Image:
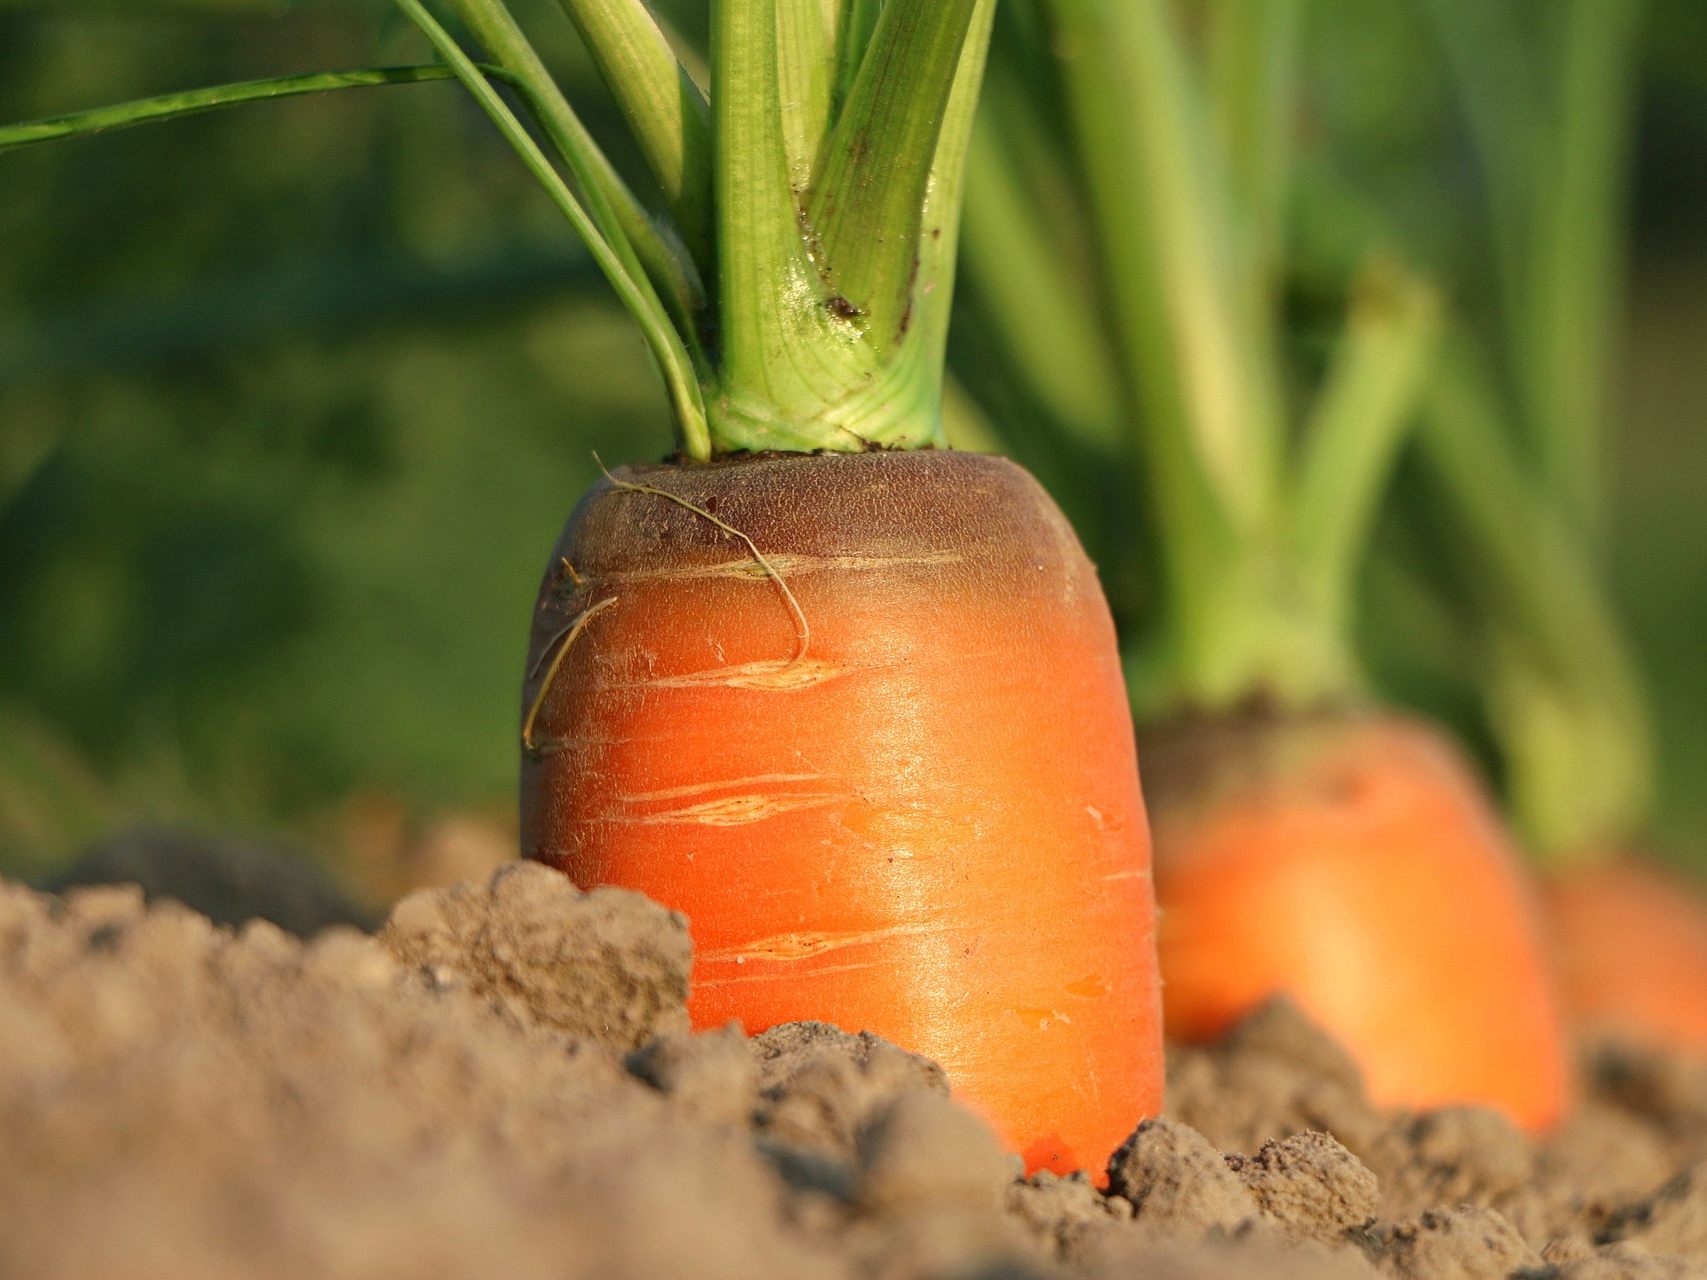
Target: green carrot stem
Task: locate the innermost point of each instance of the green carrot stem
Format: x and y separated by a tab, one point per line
867	204
665	110
1352	438
1566	312
1570	707
1254	50
1200	377
190	102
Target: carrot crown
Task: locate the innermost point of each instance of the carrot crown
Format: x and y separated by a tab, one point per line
796	296
1181	184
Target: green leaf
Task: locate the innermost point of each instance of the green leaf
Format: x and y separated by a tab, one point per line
636	294
665	109
1369	402
867	206
190	102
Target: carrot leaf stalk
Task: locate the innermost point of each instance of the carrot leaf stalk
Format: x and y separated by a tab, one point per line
1261	521
665	109
191	102
1566	699
799	302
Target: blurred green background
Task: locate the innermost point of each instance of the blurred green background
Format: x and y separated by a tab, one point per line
293	400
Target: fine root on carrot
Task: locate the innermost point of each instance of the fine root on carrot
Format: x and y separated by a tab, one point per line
558	650
803	628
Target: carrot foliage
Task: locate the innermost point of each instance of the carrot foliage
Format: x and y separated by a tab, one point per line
1168	146
794	292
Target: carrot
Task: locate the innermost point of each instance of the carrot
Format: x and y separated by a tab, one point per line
851	704
1633	947
1355	863
919	817
1306	841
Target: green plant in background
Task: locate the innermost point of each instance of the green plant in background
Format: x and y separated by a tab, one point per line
267	501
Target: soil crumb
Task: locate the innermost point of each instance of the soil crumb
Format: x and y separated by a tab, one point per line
502	1081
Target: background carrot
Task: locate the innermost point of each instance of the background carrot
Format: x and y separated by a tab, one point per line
1306	842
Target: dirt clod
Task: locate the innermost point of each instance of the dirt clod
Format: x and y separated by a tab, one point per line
1178	1183
609	964
1455	1244
1308	1186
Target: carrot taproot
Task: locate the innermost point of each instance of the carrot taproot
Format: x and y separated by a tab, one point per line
884	764
1353	862
1632	947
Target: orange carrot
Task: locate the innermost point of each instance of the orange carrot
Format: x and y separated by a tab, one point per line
1632	943
862	718
1353	863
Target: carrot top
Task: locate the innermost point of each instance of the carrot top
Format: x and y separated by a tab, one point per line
796	297
1179	175
795	294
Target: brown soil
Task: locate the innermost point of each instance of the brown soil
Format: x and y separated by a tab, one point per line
501	1083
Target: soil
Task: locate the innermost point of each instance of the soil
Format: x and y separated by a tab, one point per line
502	1082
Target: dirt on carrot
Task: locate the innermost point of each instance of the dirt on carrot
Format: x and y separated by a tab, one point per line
502	1082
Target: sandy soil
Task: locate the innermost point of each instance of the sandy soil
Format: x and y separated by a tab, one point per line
501	1082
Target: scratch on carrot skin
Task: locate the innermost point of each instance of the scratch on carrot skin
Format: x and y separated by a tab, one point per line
1127	875
735	811
779	975
784	565
720	784
805	944
771	674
